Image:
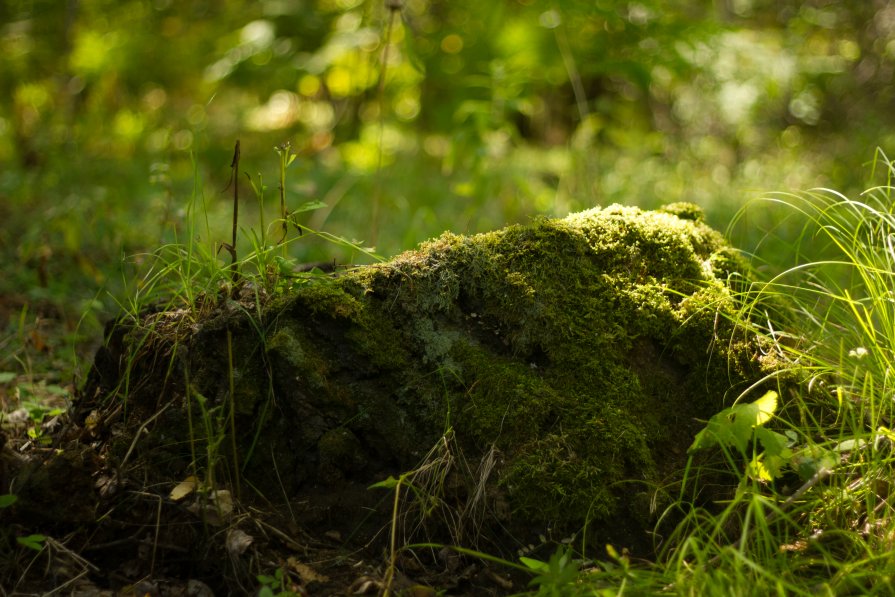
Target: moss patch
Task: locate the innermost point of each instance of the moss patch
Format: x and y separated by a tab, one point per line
583	349
574	355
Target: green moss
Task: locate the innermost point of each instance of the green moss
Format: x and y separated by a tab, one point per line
562	442
352	329
581	351
581	348
684	210
285	349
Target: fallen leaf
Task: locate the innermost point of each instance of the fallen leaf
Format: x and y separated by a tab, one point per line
505	583
38	340
237	542
798	545
107	485
184	488
222	501
197	588
364	586
307	574
334	535
215	508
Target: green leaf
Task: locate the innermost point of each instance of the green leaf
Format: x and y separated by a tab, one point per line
309	206
285	265
742	421
536	565
767	406
850	445
727	428
7	500
772	442
560	572
56	390
758	469
810	460
766	467
734	426
7	376
35	542
769	464
389	483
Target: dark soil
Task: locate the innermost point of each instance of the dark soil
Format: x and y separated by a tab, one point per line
108	532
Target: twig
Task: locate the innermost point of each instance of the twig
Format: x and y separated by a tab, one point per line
234	166
234	180
819	476
158	524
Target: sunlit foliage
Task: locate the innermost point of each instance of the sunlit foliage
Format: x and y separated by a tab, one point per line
415	116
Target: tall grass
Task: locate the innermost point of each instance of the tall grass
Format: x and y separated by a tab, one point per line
821	521
172	288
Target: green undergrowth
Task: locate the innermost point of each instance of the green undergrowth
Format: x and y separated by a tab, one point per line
180	285
811	514
573	355
783	491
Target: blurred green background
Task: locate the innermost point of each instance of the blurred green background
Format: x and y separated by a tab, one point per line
411	117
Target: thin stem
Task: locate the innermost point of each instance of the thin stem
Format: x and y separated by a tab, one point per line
394	7
234	181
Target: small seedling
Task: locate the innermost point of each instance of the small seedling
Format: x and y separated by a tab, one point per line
35	542
276	585
555	575
740	425
286	158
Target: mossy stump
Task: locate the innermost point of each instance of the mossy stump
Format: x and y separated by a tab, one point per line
539	378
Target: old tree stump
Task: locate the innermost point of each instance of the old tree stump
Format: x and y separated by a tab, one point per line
540	379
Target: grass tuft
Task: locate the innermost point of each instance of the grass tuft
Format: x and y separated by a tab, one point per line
820	520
